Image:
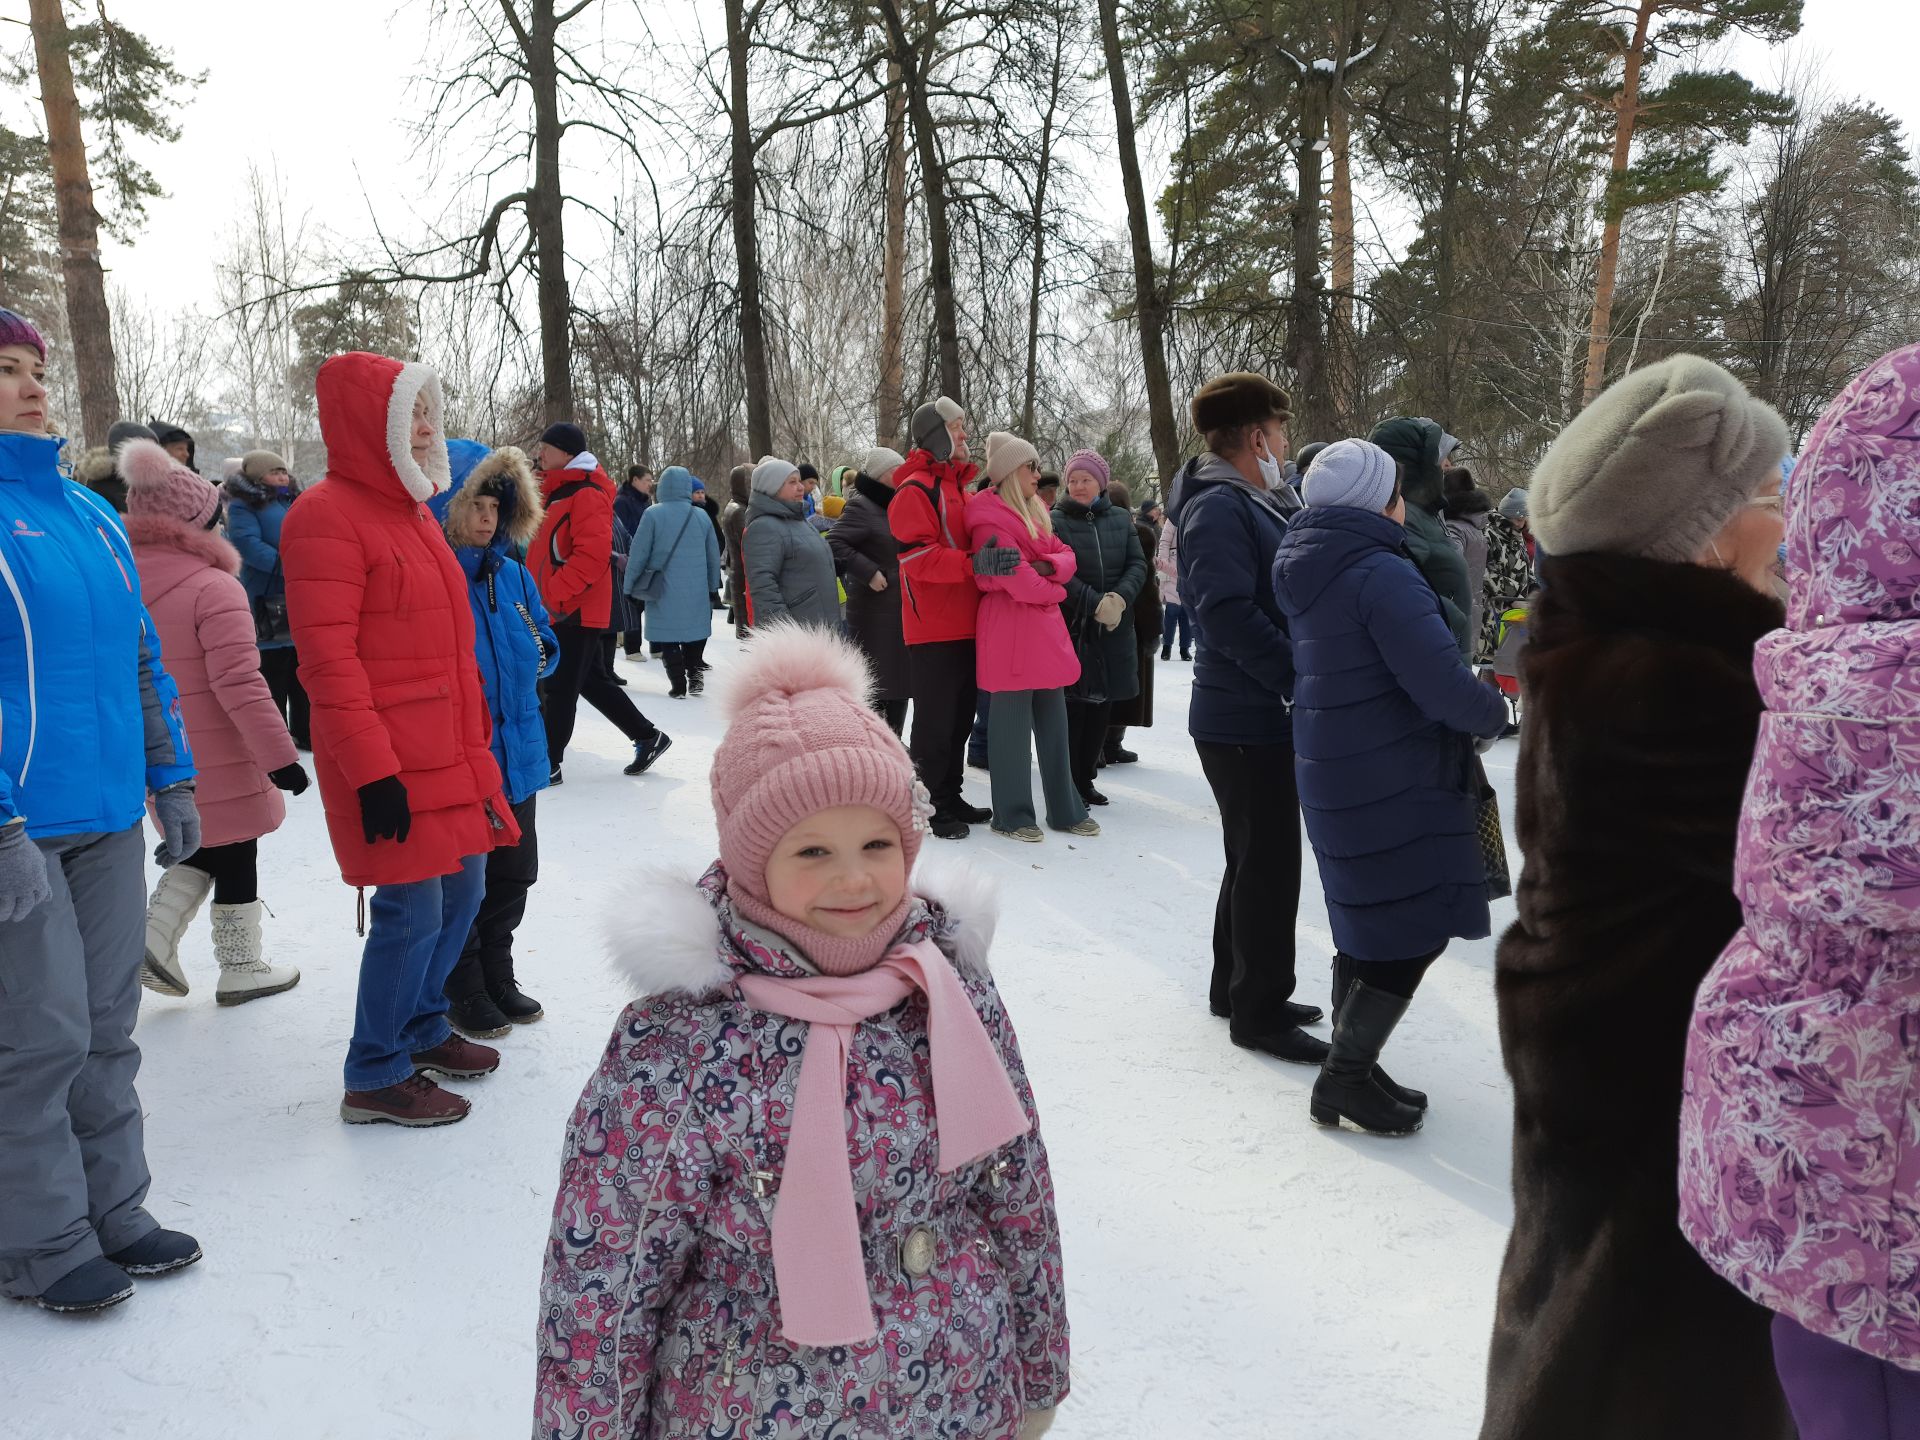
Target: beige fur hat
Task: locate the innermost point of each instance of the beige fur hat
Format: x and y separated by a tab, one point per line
1656	464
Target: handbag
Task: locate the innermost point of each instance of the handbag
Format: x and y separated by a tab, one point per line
270	624
1493	841
651	584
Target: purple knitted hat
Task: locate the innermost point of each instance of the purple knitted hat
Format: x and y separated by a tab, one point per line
1091	461
16	329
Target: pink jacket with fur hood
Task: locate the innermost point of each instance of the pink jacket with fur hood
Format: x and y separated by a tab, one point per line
1021	640
189	578
659	1315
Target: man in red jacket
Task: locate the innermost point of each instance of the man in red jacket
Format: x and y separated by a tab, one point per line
937	602
572	558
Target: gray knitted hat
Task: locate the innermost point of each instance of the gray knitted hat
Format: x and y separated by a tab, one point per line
1656	464
771	473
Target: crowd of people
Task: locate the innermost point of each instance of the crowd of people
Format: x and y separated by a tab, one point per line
1707	1000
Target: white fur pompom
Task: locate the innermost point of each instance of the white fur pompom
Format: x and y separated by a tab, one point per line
144	465
784	658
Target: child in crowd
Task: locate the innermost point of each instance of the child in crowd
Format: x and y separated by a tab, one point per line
492	506
806	1181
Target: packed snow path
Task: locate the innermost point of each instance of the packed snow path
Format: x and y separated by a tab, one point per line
1232	1270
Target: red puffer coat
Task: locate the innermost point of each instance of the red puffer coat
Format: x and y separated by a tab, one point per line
938	599
380	618
571	558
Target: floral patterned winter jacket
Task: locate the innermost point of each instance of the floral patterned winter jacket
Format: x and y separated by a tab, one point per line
659	1315
1800	1179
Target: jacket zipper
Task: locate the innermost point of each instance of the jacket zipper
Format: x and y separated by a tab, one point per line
124	578
33	689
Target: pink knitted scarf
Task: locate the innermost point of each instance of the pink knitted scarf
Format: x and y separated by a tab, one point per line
817	1262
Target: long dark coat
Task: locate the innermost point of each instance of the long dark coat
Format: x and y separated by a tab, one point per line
1147	615
1641	717
863	546
1108	558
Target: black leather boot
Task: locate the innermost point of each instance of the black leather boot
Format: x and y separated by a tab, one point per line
1347	1089
677	675
1344	968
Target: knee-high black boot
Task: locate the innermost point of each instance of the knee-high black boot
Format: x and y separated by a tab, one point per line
1345	969
1347	1089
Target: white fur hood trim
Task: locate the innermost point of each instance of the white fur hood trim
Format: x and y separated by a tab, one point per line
664	938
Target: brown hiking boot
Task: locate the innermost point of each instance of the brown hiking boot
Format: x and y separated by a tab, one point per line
416	1100
458	1058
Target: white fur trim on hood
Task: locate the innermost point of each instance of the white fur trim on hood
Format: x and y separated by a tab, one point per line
422	482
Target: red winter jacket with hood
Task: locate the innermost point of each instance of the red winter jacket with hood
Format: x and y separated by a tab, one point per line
379	611
938	598
572	556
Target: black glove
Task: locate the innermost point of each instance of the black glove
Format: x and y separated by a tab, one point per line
383	811
994	559
291	778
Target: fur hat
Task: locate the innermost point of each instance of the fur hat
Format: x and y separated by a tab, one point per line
771	473
1656	464
802	738
565	436
157	484
879	463
1354	473
1007	453
1230	401
16	329
258	464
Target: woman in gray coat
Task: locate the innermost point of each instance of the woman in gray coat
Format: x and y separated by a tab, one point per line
788	566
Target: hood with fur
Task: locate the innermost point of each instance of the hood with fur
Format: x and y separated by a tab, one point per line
521	508
253	494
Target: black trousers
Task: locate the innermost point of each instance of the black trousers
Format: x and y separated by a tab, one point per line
1259	900
486	961
235	870
895	712
580	675
942	680
281	668
1086	738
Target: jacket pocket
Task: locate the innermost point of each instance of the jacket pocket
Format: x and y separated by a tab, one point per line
418	715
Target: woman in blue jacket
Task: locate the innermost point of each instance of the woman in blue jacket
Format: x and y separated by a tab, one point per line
1384	715
91	735
491	507
258	498
677	539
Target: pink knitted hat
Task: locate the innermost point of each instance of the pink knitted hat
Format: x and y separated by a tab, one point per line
802	738
1091	461
158	484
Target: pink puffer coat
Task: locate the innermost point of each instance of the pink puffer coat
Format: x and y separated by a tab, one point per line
1800	1178
1021	640
659	1316
189	579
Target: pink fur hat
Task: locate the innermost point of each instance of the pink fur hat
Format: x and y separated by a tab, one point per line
801	738
158	484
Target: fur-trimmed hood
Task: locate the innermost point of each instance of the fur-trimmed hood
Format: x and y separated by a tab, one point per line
254	495
521	508
94	466
676	947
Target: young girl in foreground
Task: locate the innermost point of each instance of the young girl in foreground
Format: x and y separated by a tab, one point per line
762	1227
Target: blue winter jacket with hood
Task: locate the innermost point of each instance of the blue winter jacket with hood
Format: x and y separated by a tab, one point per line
89	718
254	513
1243	662
1383	712
512	637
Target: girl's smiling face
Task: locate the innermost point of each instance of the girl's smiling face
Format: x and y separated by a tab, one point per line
840	871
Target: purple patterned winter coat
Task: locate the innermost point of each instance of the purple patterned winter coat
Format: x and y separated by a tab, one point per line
659	1315
1799	1169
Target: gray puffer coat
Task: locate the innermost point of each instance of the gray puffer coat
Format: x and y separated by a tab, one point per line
789	567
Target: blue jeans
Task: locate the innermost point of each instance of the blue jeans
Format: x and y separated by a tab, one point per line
1174	618
412	946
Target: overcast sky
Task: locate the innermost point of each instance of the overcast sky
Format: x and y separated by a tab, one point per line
324	94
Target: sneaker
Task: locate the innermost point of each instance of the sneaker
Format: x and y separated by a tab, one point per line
1028	834
478	1016
92	1286
553	776
458	1058
415	1101
1093	797
945	827
157	1252
1088	827
645	754
517	1006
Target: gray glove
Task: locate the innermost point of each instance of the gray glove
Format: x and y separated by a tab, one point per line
179	821
23	873
993	558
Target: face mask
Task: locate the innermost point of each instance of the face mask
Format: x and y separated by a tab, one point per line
1270	472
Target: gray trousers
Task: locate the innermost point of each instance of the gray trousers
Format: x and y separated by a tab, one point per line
73	1165
1013	717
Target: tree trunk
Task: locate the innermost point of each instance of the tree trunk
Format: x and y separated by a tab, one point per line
889	401
746	245
1626	110
1343	378
1306	351
86	282
933	186
544	215
1039	223
1150	304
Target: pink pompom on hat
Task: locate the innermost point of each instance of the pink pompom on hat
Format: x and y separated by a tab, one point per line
158	484
802	738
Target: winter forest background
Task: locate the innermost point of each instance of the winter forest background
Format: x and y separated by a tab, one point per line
717	229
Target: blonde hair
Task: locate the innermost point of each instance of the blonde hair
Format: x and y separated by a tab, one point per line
1037	518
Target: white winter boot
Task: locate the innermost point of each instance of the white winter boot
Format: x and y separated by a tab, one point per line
236	945
176	900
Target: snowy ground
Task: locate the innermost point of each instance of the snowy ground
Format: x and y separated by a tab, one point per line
1233	1271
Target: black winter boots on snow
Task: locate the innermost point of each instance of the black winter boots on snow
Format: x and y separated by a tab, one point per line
1348	1088
1345	972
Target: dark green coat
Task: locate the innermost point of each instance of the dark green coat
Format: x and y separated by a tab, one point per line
1107	557
1416	445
